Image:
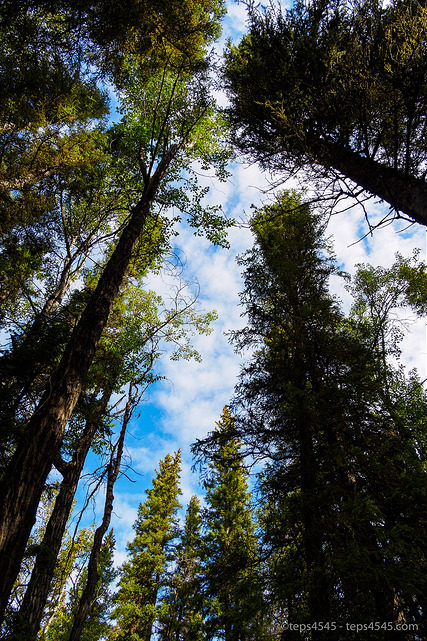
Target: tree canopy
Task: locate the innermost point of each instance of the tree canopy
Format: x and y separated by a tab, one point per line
319	406
169	120
338	88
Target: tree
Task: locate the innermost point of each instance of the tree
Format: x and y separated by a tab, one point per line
69	567
143	577
183	618
169	114
93	574
233	593
378	293
339	88
314	403
43	515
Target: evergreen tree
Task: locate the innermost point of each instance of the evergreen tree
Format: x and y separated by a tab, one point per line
142	578
233	592
315	403
184	616
336	89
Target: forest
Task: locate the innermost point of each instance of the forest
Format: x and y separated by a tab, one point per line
118	123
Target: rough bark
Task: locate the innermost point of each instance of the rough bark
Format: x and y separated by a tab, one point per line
31	611
25	477
25	349
404	193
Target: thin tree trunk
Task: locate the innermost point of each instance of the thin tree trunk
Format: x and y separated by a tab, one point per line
92	571
29	468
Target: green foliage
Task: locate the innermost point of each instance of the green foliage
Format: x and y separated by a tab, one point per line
98	624
172	110
379	292
334	70
69	190
142	577
182	618
335	85
233	591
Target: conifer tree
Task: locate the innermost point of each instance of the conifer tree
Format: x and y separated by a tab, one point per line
232	586
183	620
341	452
143	577
336	89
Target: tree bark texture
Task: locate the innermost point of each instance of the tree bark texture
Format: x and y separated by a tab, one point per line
28	346
30	466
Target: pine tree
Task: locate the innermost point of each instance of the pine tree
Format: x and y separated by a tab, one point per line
232	585
143	577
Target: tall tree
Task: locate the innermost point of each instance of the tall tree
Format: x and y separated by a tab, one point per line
339	87
233	594
127	353
169	114
143	576
314	402
183	618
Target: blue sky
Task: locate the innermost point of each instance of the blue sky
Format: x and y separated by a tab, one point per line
186	405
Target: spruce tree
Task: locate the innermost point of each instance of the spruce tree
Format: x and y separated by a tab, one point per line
336	89
142	577
232	585
316	403
184	620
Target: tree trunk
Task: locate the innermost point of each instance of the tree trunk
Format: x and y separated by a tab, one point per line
29	468
312	531
318	598
405	193
31	611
